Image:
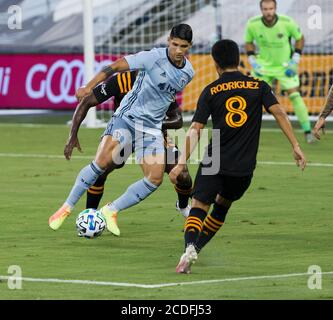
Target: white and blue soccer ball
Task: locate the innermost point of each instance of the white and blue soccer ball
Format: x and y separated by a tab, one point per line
90	223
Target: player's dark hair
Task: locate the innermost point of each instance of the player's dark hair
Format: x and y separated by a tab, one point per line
226	53
182	31
262	1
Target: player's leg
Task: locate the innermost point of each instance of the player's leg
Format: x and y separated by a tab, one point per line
232	189
291	86
100	94
213	222
301	112
151	158
107	149
86	177
184	191
96	191
136	192
184	180
205	190
193	227
202	228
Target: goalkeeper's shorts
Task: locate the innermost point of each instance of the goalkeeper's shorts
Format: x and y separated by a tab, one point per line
286	83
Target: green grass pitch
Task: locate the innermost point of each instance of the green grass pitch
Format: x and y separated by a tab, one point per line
281	226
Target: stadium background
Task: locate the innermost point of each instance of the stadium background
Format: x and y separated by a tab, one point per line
44	58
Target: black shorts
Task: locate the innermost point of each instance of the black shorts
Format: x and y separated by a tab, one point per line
207	187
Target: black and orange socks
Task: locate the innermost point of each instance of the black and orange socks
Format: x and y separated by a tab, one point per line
212	223
193	225
95	193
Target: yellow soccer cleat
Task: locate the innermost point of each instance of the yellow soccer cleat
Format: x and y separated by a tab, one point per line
57	219
111	220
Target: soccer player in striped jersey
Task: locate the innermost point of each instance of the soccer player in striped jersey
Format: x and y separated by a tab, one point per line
118	86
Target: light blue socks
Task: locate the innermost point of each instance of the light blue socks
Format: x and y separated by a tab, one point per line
86	178
134	194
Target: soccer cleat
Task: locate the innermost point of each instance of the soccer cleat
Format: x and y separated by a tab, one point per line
186	260
309	138
184	211
111	220
57	219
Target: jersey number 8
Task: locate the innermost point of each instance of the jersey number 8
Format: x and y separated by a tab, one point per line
242	116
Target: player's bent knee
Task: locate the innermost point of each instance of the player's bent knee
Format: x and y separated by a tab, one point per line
184	179
103	160
154	175
156	179
223	202
105	152
115	166
201	205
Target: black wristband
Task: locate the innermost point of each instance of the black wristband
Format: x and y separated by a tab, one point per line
298	51
108	71
250	53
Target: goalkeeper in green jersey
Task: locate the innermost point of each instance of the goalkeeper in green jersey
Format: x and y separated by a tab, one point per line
276	59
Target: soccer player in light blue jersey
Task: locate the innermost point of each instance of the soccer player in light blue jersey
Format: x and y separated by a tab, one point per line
137	122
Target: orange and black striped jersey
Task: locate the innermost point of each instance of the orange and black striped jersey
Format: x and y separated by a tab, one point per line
116	86
234	102
125	82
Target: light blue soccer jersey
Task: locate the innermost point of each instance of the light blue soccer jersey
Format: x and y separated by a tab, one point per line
155	87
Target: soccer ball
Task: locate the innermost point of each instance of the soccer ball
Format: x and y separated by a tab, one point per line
90	223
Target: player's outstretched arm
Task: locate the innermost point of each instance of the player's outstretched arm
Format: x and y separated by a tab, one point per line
191	141
80	113
118	66
328	107
285	125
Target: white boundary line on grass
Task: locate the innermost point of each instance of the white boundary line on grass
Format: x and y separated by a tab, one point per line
41	155
40	125
161	285
78	157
